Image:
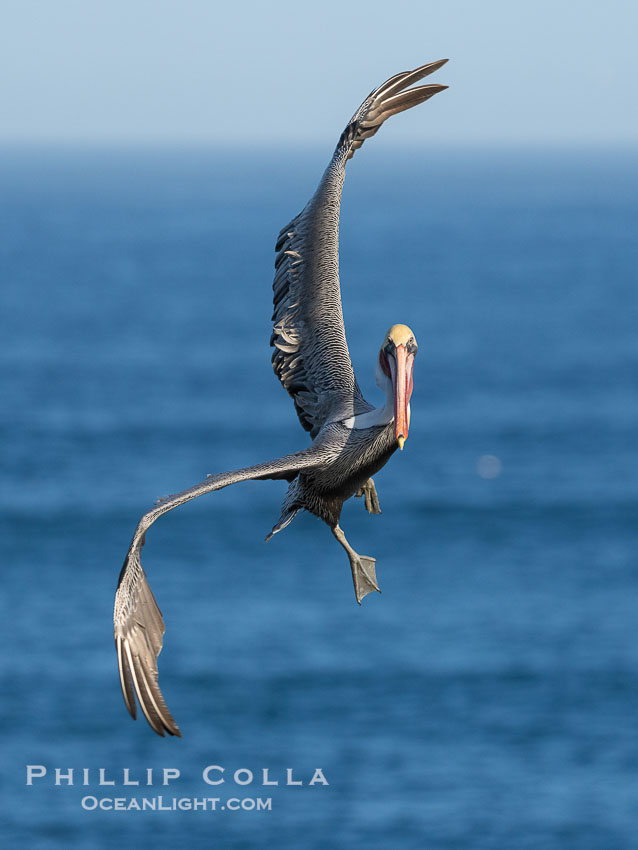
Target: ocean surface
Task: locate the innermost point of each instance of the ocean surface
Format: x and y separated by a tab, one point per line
488	699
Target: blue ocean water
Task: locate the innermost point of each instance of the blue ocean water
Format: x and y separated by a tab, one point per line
489	697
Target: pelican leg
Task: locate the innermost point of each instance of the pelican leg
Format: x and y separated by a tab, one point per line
372	500
364	575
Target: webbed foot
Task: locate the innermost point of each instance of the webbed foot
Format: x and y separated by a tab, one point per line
371	499
364	576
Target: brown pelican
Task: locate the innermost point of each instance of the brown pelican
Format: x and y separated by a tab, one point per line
351	439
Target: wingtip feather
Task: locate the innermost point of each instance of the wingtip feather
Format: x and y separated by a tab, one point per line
125	680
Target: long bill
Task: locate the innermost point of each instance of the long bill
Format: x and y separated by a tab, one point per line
401	368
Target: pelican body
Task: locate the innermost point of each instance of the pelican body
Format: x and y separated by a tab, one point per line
351	438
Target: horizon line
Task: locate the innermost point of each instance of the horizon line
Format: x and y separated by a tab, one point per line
274	146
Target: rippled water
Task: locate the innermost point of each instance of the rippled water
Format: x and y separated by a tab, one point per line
489	697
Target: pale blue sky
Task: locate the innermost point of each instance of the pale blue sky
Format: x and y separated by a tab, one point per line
198	71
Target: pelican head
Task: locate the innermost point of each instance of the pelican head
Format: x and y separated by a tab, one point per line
394	375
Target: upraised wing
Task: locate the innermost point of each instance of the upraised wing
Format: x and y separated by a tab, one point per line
137	619
311	357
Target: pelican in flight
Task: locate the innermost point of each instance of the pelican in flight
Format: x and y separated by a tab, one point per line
351	438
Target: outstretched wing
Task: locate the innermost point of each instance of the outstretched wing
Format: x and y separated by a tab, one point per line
311	357
138	622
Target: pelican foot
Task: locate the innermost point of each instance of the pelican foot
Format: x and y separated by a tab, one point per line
364	576
371	499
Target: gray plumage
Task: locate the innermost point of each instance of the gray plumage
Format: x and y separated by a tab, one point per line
311	357
312	361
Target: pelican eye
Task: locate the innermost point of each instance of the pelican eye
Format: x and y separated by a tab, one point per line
412	346
389	347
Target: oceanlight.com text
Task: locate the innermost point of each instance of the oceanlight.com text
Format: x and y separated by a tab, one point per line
174	804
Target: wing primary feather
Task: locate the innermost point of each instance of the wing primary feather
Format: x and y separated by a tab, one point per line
409	98
151	700
136	673
126	681
406	78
